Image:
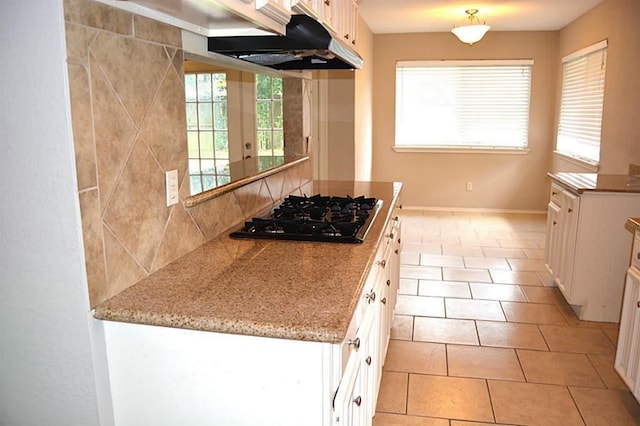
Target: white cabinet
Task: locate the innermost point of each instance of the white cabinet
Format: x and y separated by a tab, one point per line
197	377
276	10
627	362
586	247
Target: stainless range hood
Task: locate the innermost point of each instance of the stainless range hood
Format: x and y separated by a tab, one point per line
307	45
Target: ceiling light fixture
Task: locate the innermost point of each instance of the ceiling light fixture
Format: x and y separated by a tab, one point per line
472	30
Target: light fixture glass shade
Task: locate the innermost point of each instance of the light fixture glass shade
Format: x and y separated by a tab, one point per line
472	30
471	33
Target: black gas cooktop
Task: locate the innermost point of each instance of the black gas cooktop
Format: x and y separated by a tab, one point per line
315	218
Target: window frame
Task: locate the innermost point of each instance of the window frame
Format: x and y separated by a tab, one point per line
595	52
516	148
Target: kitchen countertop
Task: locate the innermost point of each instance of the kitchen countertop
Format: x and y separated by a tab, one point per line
635	222
584	182
284	289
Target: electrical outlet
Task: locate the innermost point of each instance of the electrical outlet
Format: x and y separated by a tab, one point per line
171	178
469	186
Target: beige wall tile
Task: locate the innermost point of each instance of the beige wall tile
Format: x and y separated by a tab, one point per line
180	237
253	197
96	15
82	122
78	39
137	212
151	30
93	249
122	270
217	215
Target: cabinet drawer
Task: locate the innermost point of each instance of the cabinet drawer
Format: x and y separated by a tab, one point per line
635	252
555	195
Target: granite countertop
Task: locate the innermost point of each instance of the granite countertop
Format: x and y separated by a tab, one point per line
584	182
285	289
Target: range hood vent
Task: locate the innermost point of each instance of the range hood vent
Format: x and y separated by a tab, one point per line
307	45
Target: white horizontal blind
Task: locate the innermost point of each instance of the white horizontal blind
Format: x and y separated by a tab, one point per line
580	123
463	104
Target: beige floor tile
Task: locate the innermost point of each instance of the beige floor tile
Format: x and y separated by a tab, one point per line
498	263
577	340
420	305
392	397
506	292
408	286
548	295
444	289
443	241
600	407
527	265
510	335
462	423
612	335
449	397
604	366
417	247
489	310
532	313
416	357
533	253
558	368
441	260
480	242
533	404
421	272
483	363
515	243
478	275
402	327
514	253
385	419
408	258
517	277
462	250
442	330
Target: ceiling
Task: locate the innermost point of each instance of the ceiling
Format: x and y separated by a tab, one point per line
408	16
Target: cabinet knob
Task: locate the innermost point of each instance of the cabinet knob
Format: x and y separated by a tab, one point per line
371	297
382	263
353	41
368	360
554	193
327	2
355	343
390	235
388	282
555	223
399	240
346	36
384	301
638	304
357	400
570	210
638	255
396	251
396	218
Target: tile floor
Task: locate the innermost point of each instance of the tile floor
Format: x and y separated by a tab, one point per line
481	337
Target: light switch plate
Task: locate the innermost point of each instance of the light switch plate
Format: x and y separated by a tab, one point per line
172	187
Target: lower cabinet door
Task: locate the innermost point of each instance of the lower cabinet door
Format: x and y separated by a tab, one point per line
348	403
628	350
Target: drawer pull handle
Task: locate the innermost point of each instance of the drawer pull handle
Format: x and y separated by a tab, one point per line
368	360
371	297
384	301
355	343
357	401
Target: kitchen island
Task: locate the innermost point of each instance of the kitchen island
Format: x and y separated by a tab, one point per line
258	331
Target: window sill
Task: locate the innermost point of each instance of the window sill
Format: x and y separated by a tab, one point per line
461	150
588	165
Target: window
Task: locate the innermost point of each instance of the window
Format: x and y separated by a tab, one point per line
270	133
463	104
207	130
581	103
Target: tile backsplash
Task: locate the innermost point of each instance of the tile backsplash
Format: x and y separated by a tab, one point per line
127	102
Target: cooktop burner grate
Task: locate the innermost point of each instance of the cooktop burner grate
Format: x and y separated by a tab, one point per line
315	218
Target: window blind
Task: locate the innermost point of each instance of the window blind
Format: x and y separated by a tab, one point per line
463	104
580	122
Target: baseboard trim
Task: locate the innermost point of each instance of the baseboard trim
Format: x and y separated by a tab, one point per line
472	210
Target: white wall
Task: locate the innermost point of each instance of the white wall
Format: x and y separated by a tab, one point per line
46	367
